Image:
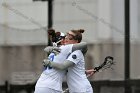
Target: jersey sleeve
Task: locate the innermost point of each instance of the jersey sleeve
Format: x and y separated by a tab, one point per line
75	56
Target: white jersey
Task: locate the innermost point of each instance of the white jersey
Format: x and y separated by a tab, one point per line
53	78
76	77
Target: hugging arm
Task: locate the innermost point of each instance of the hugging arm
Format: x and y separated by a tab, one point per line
80	46
51	49
64	65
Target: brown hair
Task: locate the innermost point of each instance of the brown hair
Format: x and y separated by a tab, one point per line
78	34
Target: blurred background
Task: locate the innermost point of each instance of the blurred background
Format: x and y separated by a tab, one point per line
112	27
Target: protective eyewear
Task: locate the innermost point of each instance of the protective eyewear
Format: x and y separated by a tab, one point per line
70	36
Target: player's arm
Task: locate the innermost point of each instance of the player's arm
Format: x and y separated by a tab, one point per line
90	72
61	66
65	65
73	59
51	49
80	46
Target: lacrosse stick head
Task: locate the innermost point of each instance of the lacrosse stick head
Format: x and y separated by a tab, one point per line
108	62
109	58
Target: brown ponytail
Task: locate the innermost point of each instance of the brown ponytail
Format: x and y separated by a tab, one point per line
81	30
78	34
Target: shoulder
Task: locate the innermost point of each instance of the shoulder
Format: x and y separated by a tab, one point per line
76	56
77	53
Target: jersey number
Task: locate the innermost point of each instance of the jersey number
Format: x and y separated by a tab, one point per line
51	57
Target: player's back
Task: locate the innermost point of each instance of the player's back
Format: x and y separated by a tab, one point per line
51	77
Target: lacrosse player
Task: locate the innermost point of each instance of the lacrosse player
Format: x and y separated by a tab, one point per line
76	78
51	79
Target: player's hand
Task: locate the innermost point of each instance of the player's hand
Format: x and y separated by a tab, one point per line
46	62
55	50
90	72
54	44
